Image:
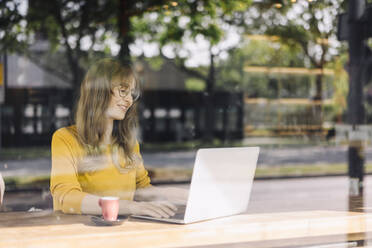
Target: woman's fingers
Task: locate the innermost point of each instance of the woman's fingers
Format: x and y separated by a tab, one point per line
169	205
151	213
166	207
178	201
158	209
140	208
161	209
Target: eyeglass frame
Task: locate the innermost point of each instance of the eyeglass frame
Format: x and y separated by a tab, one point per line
128	92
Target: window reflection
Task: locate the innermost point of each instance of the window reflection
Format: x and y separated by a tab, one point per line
239	74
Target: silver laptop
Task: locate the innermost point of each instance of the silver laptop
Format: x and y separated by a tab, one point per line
221	185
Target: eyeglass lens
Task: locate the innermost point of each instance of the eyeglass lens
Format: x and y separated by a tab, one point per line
124	93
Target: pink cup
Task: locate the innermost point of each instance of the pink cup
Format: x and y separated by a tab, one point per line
110	207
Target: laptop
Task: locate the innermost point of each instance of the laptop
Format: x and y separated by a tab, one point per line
220	186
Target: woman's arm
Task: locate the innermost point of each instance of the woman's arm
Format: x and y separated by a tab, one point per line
64	185
146	192
90	205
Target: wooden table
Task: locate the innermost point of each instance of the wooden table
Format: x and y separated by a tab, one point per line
48	229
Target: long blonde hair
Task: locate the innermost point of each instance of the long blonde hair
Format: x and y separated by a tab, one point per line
95	95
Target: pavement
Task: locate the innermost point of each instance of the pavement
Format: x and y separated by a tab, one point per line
268	196
267	157
185	159
305	194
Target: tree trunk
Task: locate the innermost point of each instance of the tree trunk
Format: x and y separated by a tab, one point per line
319	87
355	111
318	100
77	78
208	99
125	36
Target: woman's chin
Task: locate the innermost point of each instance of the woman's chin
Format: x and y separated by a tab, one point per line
120	118
117	116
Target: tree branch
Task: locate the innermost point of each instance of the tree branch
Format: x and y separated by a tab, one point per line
62	25
85	12
304	48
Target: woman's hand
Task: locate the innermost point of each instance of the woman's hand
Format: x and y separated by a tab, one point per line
175	195
156	209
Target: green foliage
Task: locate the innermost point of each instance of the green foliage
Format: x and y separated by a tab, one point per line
308	29
12	33
155	63
340	85
232	75
60	20
175	21
79	29
194	84
69	24
304	25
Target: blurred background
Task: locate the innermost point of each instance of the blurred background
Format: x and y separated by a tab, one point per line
268	73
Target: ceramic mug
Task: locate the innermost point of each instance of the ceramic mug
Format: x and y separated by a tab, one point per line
110	207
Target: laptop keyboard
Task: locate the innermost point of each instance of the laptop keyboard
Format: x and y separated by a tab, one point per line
180	213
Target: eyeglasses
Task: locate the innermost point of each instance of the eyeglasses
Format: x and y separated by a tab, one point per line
124	93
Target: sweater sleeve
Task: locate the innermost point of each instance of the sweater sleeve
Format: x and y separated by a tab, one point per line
64	185
142	177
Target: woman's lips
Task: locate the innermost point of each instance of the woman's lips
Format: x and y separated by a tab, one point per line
123	107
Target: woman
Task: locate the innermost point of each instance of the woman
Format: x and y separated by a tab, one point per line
99	156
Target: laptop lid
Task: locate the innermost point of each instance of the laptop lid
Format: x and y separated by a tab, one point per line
221	182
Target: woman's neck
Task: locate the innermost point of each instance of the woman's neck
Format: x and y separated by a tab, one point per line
107	136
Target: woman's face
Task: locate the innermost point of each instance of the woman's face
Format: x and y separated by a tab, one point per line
121	100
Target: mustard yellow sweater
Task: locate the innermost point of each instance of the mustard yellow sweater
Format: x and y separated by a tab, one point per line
69	186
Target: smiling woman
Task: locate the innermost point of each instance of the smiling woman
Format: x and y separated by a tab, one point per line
103	117
99	156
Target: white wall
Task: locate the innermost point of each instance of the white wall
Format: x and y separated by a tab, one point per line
22	73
